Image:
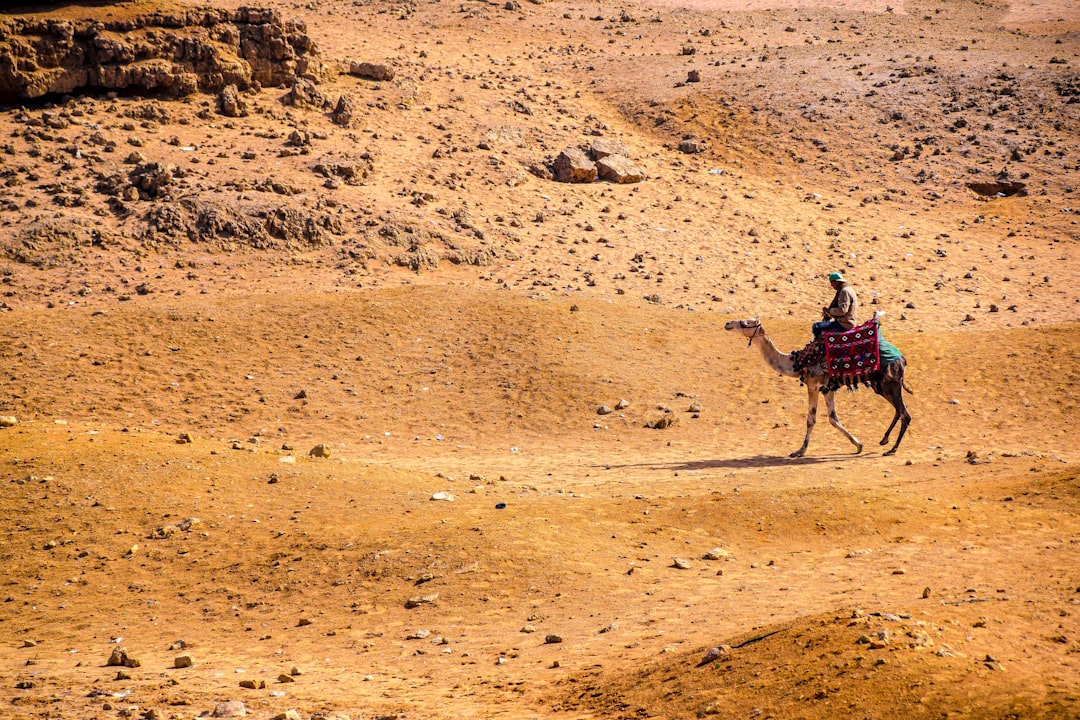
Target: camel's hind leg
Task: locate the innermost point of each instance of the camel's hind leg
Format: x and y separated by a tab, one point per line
895	395
830	402
892	389
811	414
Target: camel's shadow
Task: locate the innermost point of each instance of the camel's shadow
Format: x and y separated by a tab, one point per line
757	461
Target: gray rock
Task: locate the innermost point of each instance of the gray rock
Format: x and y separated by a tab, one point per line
715	653
681	563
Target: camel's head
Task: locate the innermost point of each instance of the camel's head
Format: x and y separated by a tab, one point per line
747	328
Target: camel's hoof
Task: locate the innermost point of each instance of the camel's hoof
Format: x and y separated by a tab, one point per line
889	452
797	454
884	440
858	448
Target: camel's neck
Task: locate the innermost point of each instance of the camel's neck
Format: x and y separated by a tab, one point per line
778	361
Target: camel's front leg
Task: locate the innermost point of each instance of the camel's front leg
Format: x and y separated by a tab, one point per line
811	416
830	402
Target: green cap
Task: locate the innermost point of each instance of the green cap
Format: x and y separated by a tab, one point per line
836	277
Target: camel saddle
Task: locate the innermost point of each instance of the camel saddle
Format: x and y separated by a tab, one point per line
852	355
848	357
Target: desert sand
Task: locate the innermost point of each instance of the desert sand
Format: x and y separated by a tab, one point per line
392	457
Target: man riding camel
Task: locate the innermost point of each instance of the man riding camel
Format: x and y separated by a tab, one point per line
842	313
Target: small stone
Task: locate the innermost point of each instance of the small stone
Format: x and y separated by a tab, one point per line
185	438
680	563
7	421
183	661
120	658
622	404
604	410
253	684
717	553
372	71
421	634
444	496
527	628
715	653
123	675
320	451
303	621
283	678
691	146
229	709
552	639
417	601
288	715
29	643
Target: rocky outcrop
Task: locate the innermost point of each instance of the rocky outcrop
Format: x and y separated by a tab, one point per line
605	159
162	53
228	226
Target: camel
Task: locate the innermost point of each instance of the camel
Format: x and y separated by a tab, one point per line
887	382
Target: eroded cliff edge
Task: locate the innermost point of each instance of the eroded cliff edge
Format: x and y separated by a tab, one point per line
167	53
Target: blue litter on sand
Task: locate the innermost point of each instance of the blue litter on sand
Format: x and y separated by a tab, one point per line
500	506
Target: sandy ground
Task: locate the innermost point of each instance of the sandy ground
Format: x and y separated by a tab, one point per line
481	541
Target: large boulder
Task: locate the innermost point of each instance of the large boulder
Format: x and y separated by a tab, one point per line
602	147
619	169
574	166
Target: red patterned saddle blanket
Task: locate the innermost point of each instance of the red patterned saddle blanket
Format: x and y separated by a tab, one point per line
853	354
